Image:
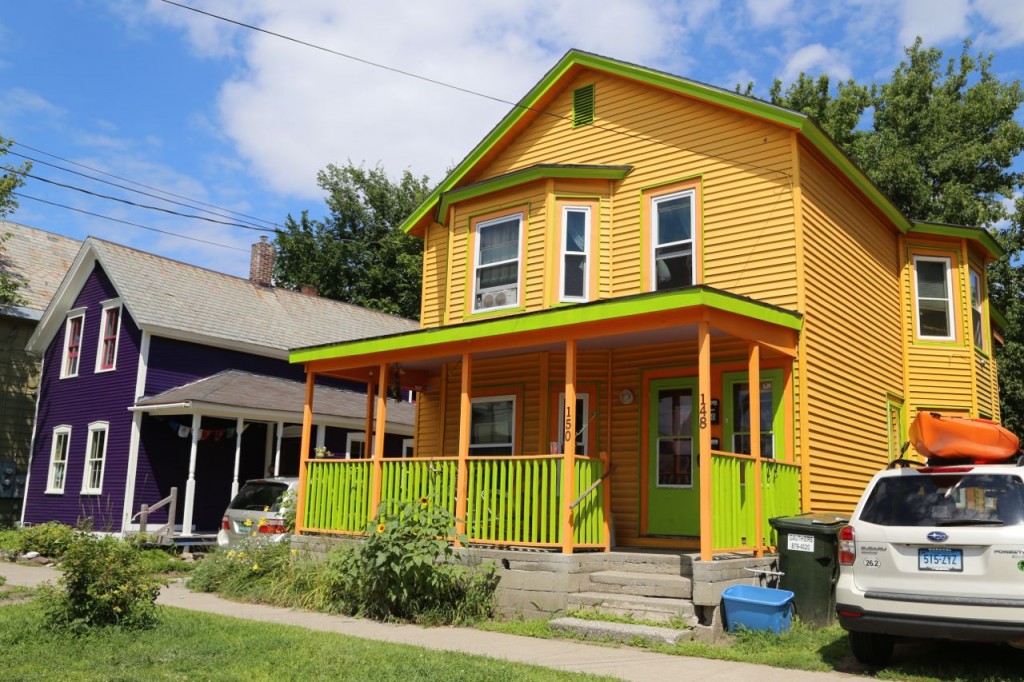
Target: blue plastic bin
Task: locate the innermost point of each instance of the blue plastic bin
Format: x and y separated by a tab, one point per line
757	608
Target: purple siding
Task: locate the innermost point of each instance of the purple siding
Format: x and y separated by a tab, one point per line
77	402
175	363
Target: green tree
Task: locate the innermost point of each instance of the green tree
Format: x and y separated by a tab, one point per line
10	180
357	253
940	143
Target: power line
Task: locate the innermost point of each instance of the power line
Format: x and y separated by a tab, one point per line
126	222
138	205
155	189
124	187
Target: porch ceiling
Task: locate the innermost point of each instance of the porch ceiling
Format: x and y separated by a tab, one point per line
643	319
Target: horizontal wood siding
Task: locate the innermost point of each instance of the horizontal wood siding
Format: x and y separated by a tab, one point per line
77	402
744	166
852	325
19	374
435	280
987	391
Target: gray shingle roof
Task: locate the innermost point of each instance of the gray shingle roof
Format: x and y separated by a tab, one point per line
164	293
237	389
40	259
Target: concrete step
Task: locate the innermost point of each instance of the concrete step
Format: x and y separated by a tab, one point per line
620	632
642	584
658	609
669	563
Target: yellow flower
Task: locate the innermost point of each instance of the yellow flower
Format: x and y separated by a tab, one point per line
255	567
294	552
253	534
241	555
381	527
266	509
424	501
248	522
231	553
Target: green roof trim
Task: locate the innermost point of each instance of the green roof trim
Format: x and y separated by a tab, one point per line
980	235
998	317
708	93
598	311
521	177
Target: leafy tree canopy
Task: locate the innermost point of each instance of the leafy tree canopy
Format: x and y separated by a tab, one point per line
10	180
357	253
940	139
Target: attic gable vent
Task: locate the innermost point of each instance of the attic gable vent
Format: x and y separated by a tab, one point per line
583	106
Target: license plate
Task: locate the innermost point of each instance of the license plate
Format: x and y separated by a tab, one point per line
940	559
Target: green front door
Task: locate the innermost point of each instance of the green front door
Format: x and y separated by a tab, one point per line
673	496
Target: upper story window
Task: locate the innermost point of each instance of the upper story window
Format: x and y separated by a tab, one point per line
575	285
110	325
95	456
58	459
72	343
976	316
496	275
492	426
932	278
672	223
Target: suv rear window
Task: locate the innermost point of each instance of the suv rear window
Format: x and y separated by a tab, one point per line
256	496
946	499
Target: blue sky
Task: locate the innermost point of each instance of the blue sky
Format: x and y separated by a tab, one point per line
205	110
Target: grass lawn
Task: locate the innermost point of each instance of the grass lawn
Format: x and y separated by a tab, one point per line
190	645
826	649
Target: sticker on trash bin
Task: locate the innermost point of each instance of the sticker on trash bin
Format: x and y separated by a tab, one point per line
800	543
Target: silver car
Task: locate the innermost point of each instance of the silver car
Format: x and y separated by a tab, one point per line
934	553
258	511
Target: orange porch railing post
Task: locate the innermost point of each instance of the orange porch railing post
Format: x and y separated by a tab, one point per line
754	393
307	429
378	440
462	474
704	437
569	447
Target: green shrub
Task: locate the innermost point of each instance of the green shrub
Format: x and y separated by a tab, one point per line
104	583
51	539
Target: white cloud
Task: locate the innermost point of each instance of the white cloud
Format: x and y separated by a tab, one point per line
936	21
764	13
816	58
1007	20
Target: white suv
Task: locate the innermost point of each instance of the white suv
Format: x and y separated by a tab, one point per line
937	553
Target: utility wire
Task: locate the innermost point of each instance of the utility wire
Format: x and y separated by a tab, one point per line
458	88
155	189
138	205
126	187
126	222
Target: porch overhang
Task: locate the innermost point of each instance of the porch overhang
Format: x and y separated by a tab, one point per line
631	320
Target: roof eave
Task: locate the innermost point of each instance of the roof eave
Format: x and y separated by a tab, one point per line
978	235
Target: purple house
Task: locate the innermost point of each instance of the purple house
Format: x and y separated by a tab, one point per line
159	375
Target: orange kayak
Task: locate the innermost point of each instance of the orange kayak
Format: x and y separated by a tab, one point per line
981	440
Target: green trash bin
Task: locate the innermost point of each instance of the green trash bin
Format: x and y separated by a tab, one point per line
809	562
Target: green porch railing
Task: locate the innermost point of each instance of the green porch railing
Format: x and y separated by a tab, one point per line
588	516
411	480
733	518
514	500
338	495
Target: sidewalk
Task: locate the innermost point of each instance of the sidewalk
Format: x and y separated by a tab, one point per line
623	662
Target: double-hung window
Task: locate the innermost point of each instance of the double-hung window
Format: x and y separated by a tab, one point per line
58	459
741	418
355	446
72	343
497	263
582	425
976	316
932	278
110	325
95	456
575	253
672	227
492	426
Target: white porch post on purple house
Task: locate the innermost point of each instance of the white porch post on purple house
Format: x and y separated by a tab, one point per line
190	484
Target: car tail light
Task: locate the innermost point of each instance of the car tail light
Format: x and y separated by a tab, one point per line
847	546
225	523
271	526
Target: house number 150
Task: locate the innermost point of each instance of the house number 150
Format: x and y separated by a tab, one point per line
568	425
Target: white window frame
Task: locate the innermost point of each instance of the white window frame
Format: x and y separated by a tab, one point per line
65	371
655	200
582	422
585	210
357	437
51	488
113	304
512	431
92	461
408	447
974	277
950	318
518	217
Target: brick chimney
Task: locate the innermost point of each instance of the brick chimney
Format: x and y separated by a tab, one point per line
309	290
261	265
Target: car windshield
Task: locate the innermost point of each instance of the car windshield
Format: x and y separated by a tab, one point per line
946	499
259	496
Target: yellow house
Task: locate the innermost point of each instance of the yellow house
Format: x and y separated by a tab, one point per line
603	275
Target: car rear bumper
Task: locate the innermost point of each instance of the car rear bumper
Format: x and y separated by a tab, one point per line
857	619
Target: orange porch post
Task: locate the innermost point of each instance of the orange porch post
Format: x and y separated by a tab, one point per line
754	394
378	439
462	476
307	429
704	437
569	447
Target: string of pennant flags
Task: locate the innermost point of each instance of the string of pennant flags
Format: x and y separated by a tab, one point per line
185	430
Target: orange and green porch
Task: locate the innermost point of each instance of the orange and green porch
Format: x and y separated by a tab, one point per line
551	492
